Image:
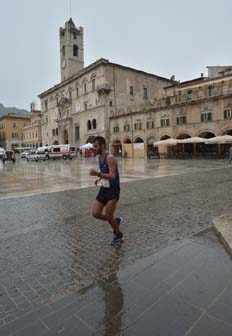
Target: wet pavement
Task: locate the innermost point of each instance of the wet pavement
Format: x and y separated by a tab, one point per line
59	273
30	178
185	289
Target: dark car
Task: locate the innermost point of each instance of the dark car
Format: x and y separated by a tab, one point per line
9	156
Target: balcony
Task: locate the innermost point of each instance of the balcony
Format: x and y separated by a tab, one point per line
104	88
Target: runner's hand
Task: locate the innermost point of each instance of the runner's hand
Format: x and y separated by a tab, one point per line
96	182
93	172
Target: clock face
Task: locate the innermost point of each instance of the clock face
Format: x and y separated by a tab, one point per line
63	63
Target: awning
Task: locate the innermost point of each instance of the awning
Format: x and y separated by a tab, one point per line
166	143
219	140
192	140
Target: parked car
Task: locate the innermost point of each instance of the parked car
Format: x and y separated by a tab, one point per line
24	154
41	153
32	156
9	156
2	153
61	151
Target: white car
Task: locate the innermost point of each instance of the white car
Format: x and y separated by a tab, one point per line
32	156
24	154
41	153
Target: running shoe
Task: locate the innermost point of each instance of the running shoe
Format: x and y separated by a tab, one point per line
118	239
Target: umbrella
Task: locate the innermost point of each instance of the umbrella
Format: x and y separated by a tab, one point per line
192	140
219	139
87	146
167	142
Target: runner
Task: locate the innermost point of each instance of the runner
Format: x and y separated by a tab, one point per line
108	194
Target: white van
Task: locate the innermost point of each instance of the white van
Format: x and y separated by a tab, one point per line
61	151
42	152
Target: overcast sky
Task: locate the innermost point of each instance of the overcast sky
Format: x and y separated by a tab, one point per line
164	37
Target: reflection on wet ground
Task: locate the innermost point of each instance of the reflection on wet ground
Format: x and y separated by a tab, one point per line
185	289
28	178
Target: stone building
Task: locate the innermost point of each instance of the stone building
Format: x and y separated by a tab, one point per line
79	107
199	107
32	135
11	130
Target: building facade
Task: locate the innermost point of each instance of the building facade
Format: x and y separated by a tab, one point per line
11	130
80	106
32	134
200	107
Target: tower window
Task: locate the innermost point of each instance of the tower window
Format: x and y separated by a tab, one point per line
63	51
94	124
85	88
77	91
93	84
75	50
89	125
131	90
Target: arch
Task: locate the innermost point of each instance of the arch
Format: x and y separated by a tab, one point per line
89	127
165	137
183	136
127	141
90	139
116	147
117	142
66	137
226	131
75	50
138	140
56	143
94	123
206	134
150	140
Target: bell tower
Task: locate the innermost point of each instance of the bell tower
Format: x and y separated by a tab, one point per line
71	49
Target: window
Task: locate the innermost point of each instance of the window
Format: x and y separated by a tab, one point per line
131	90
138	125
77	133
63	51
164	122
150	124
111	103
56	149
85	106
89	125
77	91
56	131
53	132
206	116
57	101
93	84
126	128
75	50
46	104
14	125
181	120
145	93
211	90
227	114
189	95
94	124
70	94
116	129
85	88
74	36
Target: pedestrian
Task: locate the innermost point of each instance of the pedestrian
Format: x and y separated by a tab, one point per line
230	156
108	195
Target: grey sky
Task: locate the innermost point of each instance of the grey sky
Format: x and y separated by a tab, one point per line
169	37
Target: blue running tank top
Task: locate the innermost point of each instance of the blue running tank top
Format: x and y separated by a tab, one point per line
104	169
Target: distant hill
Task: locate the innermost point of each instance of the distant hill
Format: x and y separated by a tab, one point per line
6	110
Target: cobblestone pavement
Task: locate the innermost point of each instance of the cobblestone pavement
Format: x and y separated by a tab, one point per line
50	246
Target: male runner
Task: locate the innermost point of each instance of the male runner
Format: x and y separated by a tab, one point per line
108	194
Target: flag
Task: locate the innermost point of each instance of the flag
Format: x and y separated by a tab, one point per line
33	106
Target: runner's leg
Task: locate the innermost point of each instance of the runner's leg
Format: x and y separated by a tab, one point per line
109	215
97	211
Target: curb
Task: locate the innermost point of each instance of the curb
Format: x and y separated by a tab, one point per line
222	227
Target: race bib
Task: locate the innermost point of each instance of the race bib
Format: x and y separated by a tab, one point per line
105	183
